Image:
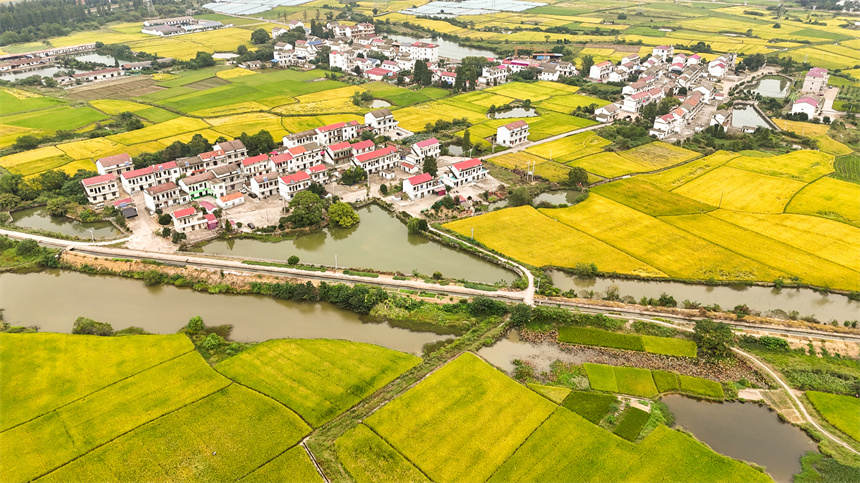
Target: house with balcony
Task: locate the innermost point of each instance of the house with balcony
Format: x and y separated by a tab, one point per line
229	201
101	188
137	180
255	165
512	133
231	175
381	121
198	185
289	185
161	196
116	164
420	186
375	161
464	172
815	81
187	220
265	184
318	173
337	154
429	148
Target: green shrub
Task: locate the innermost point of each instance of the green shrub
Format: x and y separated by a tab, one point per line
665	381
632	424
590	405
602	338
822	380
87	326
701	387
293	260
361	274
650	328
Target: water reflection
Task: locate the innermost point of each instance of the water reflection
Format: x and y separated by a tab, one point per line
39	219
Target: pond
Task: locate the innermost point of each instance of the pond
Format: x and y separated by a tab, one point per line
515	112
503	353
744	431
773	86
379	104
39	219
804	301
744	115
449	49
379	242
124	302
107	60
558	197
44	72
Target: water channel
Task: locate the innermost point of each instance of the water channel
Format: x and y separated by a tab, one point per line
379	242
744	431
772	86
165	309
449	49
38	218
804	301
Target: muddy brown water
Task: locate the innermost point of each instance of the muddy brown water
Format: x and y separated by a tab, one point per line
744	431
53	299
39	219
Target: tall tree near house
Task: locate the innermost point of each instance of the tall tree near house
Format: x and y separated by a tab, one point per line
260	36
586	62
467	141
430	166
306	209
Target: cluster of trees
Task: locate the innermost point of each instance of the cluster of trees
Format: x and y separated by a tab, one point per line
50	187
421	74
125	121
308	208
16	251
358	298
715	137
752	62
441	125
353	175
362	98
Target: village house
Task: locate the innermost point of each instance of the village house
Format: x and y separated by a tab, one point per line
512	133
161	196
233	150
339	153
381	121
139	179
318	173
198	185
281	163
601	70
809	105
101	188
231	175
465	172
305	156
289	185
663	52
429	148
116	164
265	184
815	81
362	147
299	138
229	201
335	133
255	165
420	186
375	161
187	220
607	113
98	75
422	50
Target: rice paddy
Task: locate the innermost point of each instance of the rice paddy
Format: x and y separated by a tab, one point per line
843	412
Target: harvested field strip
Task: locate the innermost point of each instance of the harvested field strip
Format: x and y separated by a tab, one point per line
114	106
369	459
755	246
89	422
53	369
646	239
608	165
700	387
843	412
560	245
675	177
461	422
658	155
741	190
553	393
827	198
649	198
803	166
590	405
294	463
250	429
317	378
664	455
632	424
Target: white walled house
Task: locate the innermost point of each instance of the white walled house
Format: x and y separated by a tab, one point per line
233	150
288	186
230	175
198	185
809	105
815	81
139	179
161	196
465	172
98	75
607	113
339	153
663	52
601	70
419	186
429	148
101	188
378	160
335	133
318	173
512	133
382	121
265	184
231	200
255	165
187	220
116	164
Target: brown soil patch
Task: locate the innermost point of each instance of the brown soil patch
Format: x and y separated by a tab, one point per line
122	88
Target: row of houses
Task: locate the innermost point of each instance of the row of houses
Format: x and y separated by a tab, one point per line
458	174
179	25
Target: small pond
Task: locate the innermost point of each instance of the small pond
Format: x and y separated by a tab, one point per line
447	48
44	72
772	86
379	104
558	197
744	431
379	242
804	301
515	112
107	60
503	353
38	218
744	115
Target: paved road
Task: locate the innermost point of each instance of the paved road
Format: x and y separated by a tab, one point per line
526	145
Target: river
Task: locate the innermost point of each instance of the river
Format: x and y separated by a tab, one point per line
37	218
379	242
165	309
804	301
447	48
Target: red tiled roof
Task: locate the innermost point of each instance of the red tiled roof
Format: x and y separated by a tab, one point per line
115	159
470	163
97	72
816	72
515	125
211	154
334	126
282	158
295	178
427	142
317	168
263	177
231	197
126	201
209	217
207	205
603	64
98	179
161	188
378	71
640	95
375	154
255	159
184	212
340	146
362	145
807	100
420	178
297	150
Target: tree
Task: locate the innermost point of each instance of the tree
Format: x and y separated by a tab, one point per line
467	141
353	175
519	197
306	209
260	36
241	49
195	325
87	326
587	61
521	315
165	219
416	225
342	214
430	166
713	338
203	59
26	142
26	248
577	176
293	260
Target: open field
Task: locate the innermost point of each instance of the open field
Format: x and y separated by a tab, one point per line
632	424
569	148
59	117
741	190
675	177
806	166
843	412
318	379
462	422
700	387
553	393
647	383
294	465
368	458
827	198
658	155
590	405
649	198
664	455
666	381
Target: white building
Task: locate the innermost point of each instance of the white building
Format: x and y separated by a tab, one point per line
420	186
512	133
378	160
139	179
98	75
464	172
663	52
429	148
809	105
815	81
422	51
229	201
101	188
318	173
601	70
187	220
161	196
265	184
116	164
382	121
288	186
255	165
607	113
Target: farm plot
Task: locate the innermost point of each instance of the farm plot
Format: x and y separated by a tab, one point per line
552	171
414	118
116	106
17	100
741	190
657	155
249	430
156	114
230	109
635	381
35	160
159	131
803	166
831	240
318	379
295	463
664	455
569	103
53	370
755	246
207	134
74	166
369	459
91	148
233	73
590	405
552	123
462	422
249	123
700	387
536	92
608	165
827	198
665	381
677	176
673	251
517	231
569	148
843	412
60	117
9	134
650	199
830	146
632	424
515	160
602	338
553	393
77	428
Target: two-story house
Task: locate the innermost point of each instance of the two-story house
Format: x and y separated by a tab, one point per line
161	196
375	161
512	133
101	188
289	185
116	164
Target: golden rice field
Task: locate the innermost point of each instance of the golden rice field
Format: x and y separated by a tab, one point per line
803	128
515	160
20	93
828	198
250	123
608	165
569	148
231	109
552	171
831	146
741	190
116	106
159	131
207	134
91	148
675	177
803	165
233	73
658	155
